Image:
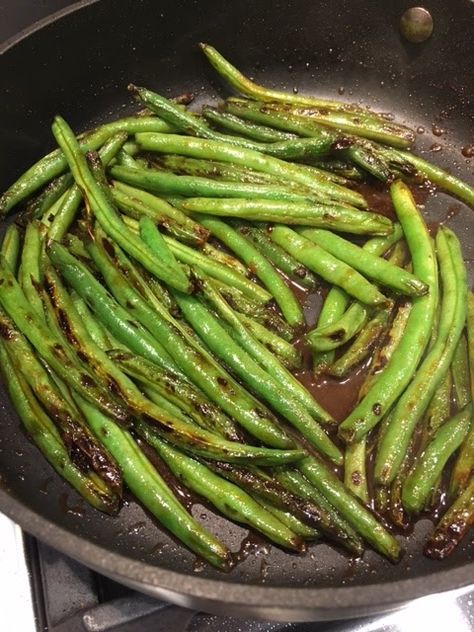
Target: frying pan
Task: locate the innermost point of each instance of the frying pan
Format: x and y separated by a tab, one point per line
78	63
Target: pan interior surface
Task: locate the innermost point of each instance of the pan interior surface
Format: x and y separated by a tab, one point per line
80	65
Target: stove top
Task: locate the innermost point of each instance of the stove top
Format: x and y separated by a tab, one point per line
46	591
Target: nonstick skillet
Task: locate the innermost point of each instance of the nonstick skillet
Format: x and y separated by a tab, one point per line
78	63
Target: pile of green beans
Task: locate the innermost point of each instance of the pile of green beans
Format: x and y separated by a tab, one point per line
159	289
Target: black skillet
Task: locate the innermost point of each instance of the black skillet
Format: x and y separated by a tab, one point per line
78	63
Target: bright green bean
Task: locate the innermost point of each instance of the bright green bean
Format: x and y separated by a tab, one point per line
43	433
260	266
375	268
334	216
216	150
222	345
55	163
328	267
430	465
408	353
104	211
151	490
414	401
362	345
229	499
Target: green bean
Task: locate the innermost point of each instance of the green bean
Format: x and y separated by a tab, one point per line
165	183
260	266
369	125
30	274
70	322
453	526
356	453
438	410
96	331
116	319
83	450
257	482
356	515
162	213
144	202
152	491
397	512
408	353
407	161
464	464
332	310
176	430
359	151
293	269
56	354
247	291
367	157
461	373
165	404
61	217
11	247
262	356
254	91
223	257
288	355
287	518
355	475
218	271
40	205
230	500
101	207
55	163
371	266
338	527
43	433
327	266
145	288
148	286
213	380
237	173
75	246
236	125
222	345
381	499
363	153
216	150
362	345
180	393
126	160
415	399
384	354
188	123
430	465
152	237
259	313
341	168
337	217
360	124
225	171
334	335
470	335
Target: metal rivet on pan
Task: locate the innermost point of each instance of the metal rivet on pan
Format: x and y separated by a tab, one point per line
416	24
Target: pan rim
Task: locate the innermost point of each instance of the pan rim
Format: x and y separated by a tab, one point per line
18	37
213	594
216	595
